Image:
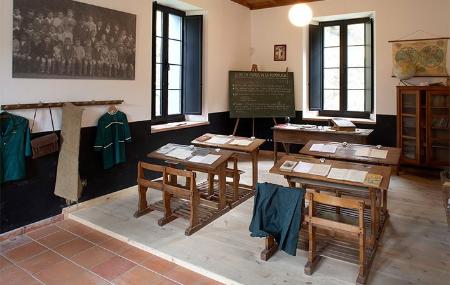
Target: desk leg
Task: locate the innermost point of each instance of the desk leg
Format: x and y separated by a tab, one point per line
270	248
210	184
287	147
374	217
275	151
255	168
384	194
222	186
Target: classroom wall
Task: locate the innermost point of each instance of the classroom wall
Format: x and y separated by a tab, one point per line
393	20
226	46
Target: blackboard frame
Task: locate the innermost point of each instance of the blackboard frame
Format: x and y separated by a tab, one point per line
278	100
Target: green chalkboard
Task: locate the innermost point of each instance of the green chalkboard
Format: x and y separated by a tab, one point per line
255	94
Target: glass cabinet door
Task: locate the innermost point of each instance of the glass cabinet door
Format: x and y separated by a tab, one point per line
409	124
438	119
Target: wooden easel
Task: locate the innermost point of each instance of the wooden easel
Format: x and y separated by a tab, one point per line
254	68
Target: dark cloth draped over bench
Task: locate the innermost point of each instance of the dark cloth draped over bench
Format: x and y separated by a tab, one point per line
277	212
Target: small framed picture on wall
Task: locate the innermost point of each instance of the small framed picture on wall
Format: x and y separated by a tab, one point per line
279	53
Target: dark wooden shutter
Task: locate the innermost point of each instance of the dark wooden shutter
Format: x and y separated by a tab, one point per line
315	67
192	79
368	104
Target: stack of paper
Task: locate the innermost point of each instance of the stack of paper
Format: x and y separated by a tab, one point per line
347	174
312	168
180	153
368	152
167	148
218	140
328	148
208	159
242	142
343	123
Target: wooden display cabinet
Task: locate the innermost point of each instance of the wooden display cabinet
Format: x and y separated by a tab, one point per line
423	125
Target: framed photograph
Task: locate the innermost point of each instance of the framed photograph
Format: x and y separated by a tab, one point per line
279	53
66	39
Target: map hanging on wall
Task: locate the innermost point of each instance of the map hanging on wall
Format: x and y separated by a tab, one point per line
429	56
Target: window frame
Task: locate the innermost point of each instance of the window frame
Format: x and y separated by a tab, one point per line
342	112
165	117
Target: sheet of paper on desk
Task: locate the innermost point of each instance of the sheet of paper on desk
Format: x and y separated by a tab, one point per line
378	153
240	142
316	147
166	148
356	175
180	153
218	140
363	151
287	127
329	148
210	159
338	173
320	169
303	167
197	158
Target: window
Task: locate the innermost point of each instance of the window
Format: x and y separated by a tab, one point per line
177	59
341	68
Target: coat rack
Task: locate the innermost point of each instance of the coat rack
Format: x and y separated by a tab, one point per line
58	104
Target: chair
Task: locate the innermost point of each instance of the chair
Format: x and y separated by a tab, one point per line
144	184
190	198
322	215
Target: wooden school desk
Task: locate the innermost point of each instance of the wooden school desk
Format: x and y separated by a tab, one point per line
347	153
294	134
251	150
375	216
218	167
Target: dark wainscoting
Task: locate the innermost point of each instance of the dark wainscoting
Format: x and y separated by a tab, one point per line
32	199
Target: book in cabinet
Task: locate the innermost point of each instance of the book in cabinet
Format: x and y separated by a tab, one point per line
423	125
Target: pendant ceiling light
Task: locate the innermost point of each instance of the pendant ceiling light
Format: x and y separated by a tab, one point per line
300	15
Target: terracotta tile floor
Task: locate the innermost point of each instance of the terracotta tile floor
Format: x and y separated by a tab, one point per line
71	253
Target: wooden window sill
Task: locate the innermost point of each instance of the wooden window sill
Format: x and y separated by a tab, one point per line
176	126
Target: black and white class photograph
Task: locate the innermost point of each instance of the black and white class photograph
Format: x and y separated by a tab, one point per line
66	39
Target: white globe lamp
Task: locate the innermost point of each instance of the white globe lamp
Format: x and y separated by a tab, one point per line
300	15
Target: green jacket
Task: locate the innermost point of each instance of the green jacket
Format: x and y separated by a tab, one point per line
112	133
14	147
277	212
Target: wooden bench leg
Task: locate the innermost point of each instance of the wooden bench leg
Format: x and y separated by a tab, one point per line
193	220
168	216
270	248
313	259
362	276
143	207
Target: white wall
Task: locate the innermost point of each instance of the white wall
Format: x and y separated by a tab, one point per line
135	93
226	46
393	20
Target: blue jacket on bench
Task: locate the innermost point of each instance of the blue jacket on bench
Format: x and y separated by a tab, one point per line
277	212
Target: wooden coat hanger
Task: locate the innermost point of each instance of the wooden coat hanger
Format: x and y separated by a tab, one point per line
112	110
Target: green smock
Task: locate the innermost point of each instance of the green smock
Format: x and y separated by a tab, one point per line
112	133
14	147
